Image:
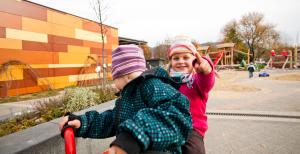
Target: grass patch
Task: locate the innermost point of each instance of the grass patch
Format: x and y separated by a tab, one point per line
56	108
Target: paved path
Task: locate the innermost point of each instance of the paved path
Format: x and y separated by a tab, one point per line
12	109
275	95
254	135
17	108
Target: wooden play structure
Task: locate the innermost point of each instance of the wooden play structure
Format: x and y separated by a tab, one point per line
283	59
224	55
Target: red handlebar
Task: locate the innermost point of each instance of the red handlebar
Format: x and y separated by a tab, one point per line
70	146
105	152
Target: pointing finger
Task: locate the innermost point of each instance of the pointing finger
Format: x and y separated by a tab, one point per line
199	58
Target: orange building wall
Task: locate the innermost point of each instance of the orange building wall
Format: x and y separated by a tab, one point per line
55	44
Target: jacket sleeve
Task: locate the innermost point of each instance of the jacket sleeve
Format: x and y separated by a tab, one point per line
165	123
205	83
96	125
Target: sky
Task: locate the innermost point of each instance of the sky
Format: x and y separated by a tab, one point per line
157	20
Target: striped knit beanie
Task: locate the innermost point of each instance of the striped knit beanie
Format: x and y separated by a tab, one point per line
181	44
127	59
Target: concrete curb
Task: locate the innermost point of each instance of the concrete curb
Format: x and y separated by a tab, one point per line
254	115
291	114
45	138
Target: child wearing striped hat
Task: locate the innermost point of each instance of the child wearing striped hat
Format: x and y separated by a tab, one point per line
149	115
197	77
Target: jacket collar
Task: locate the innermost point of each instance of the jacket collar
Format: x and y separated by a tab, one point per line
154	73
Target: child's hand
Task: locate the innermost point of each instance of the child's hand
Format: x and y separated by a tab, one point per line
114	150
74	123
202	65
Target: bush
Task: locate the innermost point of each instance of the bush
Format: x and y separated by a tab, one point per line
105	94
51	110
79	98
259	66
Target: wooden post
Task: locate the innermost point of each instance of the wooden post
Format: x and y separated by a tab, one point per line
296	56
224	59
285	62
225	56
291	58
232	56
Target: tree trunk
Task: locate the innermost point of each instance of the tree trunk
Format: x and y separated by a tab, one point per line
252	57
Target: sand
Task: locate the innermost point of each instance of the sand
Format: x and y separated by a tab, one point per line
228	82
287	77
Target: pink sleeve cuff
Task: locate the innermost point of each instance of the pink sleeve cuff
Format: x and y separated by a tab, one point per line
205	82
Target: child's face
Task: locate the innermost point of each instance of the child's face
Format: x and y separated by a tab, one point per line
182	62
120	82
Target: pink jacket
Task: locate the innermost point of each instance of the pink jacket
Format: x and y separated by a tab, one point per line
198	96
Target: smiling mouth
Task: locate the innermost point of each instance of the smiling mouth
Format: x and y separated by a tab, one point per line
180	67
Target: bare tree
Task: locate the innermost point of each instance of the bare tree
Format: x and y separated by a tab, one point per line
253	33
160	51
147	52
231	34
100	7
196	43
161	48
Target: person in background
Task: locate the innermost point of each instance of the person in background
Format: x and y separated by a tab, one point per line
149	115
251	69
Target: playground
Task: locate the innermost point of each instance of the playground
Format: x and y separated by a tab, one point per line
227	56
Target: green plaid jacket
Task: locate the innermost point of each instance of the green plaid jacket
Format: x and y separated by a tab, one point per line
150	109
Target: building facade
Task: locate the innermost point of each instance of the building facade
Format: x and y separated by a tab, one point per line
41	47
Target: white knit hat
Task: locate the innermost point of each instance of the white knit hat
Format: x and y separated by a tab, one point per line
181	44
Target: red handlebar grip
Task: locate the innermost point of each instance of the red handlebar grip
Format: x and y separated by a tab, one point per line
105	152
70	146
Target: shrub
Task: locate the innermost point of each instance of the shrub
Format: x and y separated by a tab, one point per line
105	94
51	110
79	98
259	66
